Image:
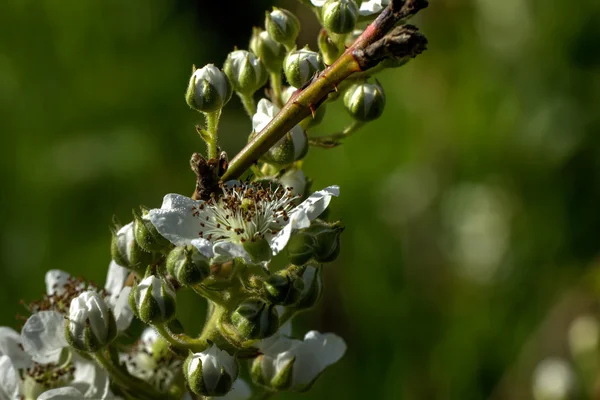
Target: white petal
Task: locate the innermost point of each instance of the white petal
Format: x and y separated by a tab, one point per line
318	3
64	393
240	390
175	220
43	336
328	346
90	379
317	202
280	240
55	281
115	280
10	345
9	389
230	250
204	246
122	310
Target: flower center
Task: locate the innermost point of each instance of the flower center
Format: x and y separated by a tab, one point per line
38	378
244	213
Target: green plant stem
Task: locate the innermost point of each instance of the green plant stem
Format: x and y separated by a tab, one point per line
212	126
142	389
335	139
181	341
249	103
275	81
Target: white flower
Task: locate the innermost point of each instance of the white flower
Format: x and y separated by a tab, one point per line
307	358
366	7
211	372
43	336
151	361
221	226
21	377
265	112
90	319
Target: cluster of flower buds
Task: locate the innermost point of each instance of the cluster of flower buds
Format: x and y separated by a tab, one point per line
220	243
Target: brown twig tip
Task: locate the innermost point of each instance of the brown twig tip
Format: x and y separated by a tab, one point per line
401	43
408	6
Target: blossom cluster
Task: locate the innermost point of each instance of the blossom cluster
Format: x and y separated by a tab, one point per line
253	249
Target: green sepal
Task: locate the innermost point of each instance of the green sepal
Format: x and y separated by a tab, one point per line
255	319
146	235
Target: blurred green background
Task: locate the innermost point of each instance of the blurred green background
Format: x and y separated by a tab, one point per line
471	206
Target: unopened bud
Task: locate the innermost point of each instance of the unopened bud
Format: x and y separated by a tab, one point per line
328	48
300	65
283	288
282	25
153	300
245	71
321	241
209	89
255	319
91	324
365	101
339	16
270	51
127	252
313	286
211	372
188	265
146	235
277	377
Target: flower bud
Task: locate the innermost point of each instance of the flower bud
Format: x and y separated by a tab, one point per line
278	378
339	16
188	265
299	66
153	300
283	26
91	324
211	372
146	235
245	71
313	286
291	147
127	252
328	48
365	101
284	288
255	319
268	50
321	241
209	89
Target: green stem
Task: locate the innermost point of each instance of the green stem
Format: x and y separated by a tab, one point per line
335	139
275	81
212	126
118	375
249	103
211	329
181	341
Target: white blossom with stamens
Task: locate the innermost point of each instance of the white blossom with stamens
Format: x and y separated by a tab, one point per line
219	227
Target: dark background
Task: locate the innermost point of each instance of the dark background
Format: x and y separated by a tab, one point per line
471	206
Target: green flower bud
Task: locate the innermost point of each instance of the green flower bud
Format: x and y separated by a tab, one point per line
146	235
91	325
301	247
328	48
365	101
283	288
300	65
153	300
245	71
271	52
211	372
188	265
255	319
127	252
259	249
339	16
283	26
327	239
280	378
313	285
209	89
